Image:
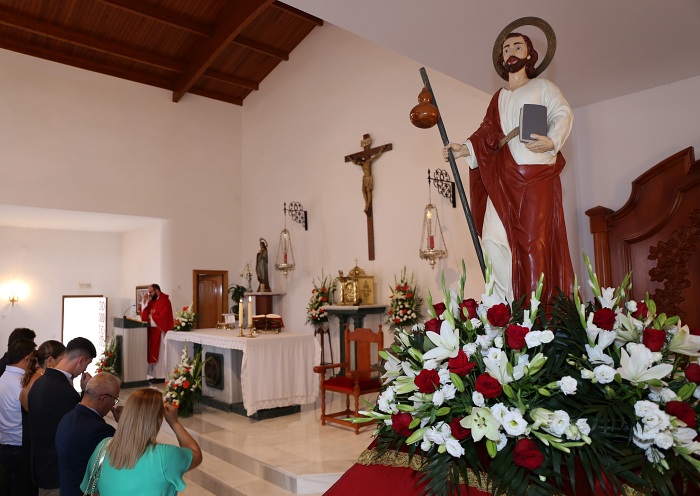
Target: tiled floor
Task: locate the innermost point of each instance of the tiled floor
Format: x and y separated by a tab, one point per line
293	453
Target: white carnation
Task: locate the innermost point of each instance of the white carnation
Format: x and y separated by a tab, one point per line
663	440
454	448
547	336
567	385
559	423
604	374
478	399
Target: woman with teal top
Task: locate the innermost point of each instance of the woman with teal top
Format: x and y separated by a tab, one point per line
133	462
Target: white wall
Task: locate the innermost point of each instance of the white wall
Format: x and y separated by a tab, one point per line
308	115
76	140
616	141
53	264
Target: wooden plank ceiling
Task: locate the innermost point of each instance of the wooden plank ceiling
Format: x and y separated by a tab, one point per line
220	49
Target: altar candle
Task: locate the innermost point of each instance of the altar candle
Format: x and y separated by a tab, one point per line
250	312
240	313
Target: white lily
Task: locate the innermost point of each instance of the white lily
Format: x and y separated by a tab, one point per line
497	367
446	343
607	297
684	343
596	355
636	368
393	368
482	423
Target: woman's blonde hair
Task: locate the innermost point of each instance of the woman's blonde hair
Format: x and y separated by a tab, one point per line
137	428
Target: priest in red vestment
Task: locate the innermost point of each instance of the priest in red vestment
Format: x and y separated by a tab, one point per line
515	189
157	310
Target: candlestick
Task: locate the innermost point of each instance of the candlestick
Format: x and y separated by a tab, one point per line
240	313
250	312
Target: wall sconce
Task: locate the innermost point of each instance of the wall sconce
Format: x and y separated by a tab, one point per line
432	242
285	253
298	214
444	184
14	291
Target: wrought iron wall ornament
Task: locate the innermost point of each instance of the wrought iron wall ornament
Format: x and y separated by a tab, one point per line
444	184
297	213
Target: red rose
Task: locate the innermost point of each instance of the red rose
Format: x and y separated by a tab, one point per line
408	295
186	384
459	432
527	455
498	315
470	306
433	325
460	364
642	311
313	291
515	336
400	422
323	298
405	288
653	339
488	386
403	311
324	289
427	381
396	321
692	373
604	318
682	411
439	308
398	287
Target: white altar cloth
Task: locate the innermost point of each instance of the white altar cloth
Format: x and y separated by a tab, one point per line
276	369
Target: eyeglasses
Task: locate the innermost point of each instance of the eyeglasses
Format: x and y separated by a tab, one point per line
115	398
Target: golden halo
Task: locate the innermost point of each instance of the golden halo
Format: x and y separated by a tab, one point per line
527	21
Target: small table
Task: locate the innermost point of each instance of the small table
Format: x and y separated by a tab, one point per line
265	372
357	314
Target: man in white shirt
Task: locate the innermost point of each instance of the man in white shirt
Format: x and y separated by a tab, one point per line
19	354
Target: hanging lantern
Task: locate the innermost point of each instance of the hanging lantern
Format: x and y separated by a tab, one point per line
285	254
432	242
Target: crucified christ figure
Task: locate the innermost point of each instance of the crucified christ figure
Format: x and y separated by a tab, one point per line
364	159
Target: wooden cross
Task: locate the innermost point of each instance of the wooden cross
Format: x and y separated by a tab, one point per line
364	159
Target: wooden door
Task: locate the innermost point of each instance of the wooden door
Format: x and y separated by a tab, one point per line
210	296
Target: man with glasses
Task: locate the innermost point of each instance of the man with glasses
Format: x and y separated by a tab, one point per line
82	429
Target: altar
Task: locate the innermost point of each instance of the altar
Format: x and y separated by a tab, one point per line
261	373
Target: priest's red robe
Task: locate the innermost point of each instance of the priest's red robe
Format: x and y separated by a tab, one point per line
160	313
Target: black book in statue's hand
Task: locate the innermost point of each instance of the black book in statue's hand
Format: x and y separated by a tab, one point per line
533	120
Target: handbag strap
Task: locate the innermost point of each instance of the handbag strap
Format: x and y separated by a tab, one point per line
96	468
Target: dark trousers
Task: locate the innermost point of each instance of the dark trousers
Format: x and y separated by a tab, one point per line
11	480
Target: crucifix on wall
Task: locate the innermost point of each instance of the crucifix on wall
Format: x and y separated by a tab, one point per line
364	159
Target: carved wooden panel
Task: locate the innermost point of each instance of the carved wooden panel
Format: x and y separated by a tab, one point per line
655	235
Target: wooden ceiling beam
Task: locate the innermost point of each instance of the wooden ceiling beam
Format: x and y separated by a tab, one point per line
74	61
161	15
298	13
261	48
216	96
236	16
88	41
232	80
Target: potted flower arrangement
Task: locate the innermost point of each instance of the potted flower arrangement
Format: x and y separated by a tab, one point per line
404	303
247	275
109	361
321	295
185	319
598	399
183	388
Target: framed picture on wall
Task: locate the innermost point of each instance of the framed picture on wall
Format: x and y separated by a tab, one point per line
140	291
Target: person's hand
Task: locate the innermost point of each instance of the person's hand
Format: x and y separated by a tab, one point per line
458	150
117	412
170	413
84	379
541	145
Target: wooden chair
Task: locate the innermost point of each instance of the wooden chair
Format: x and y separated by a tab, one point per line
358	380
656	236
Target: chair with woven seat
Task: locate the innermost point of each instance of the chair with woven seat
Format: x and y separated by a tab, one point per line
358	380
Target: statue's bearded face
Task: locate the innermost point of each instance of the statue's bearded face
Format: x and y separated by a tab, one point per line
515	54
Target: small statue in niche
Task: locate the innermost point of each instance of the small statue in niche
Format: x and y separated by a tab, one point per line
261	268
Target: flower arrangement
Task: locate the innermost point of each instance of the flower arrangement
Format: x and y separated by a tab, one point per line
183	388
404	303
109	361
185	319
247	275
605	391
321	295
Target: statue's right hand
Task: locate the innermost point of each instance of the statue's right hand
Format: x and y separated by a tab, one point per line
458	150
